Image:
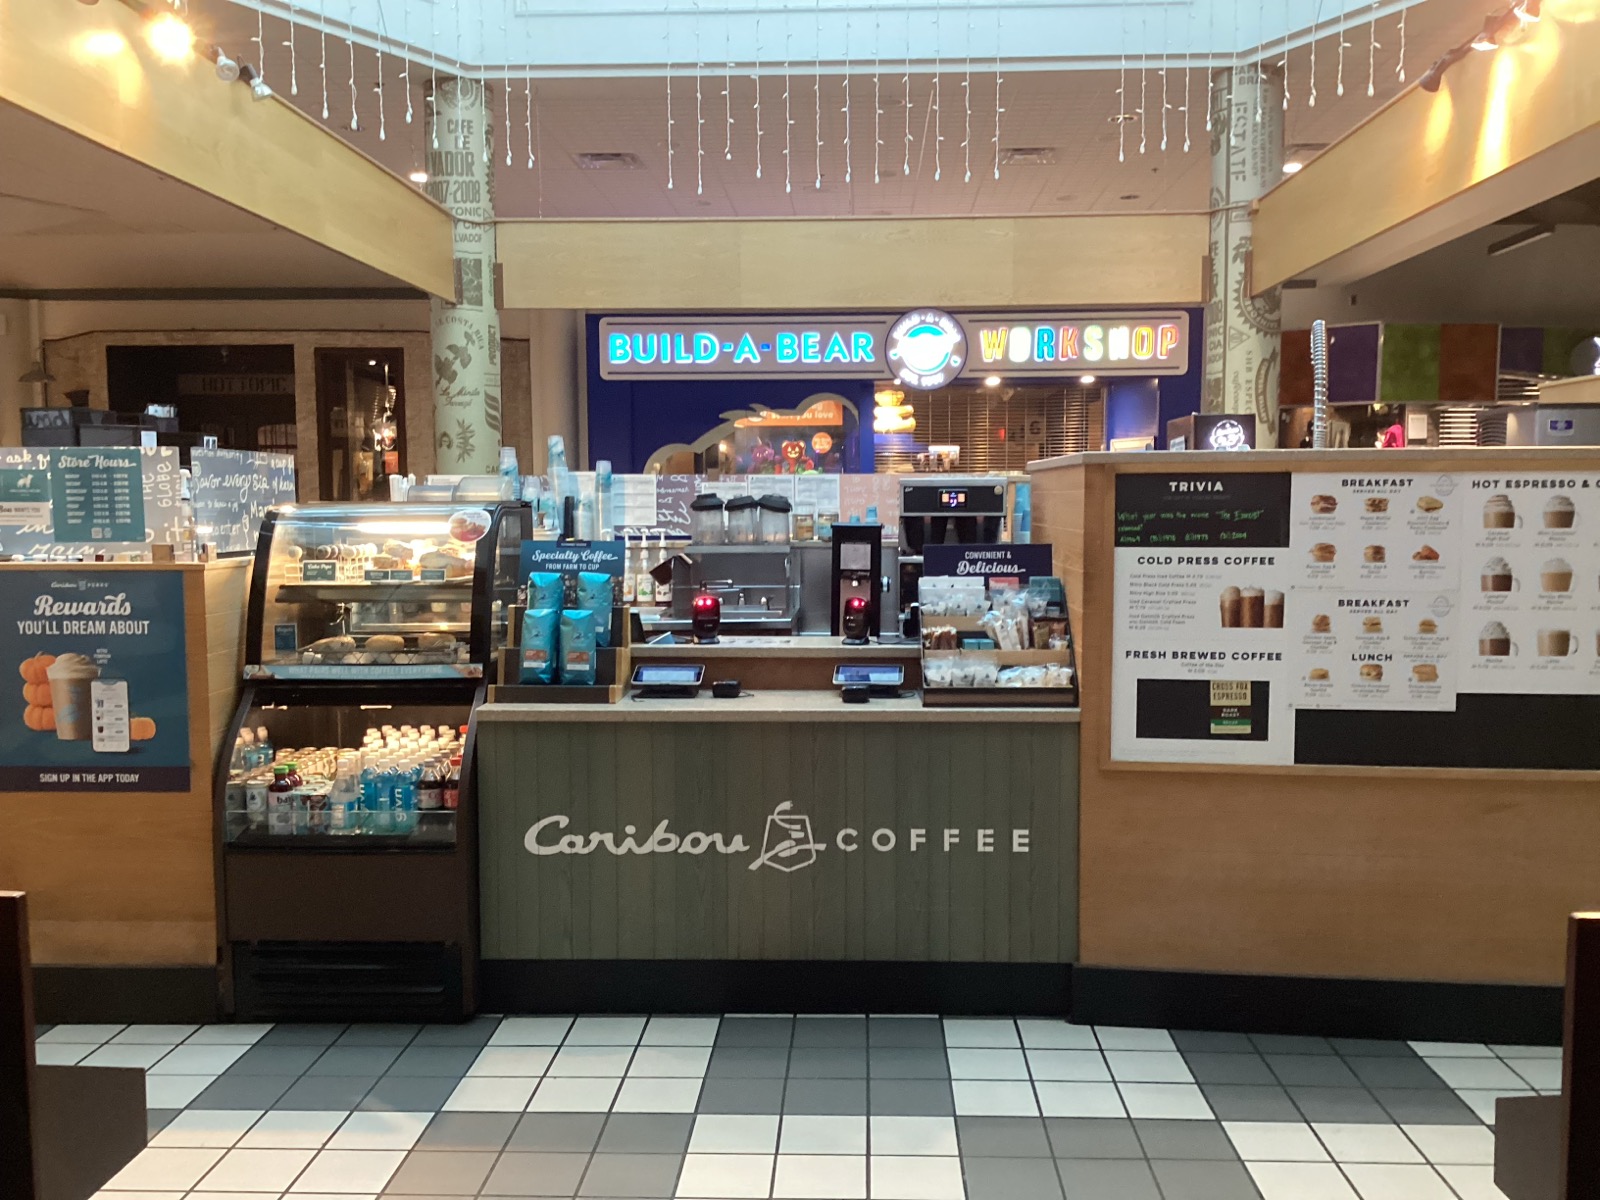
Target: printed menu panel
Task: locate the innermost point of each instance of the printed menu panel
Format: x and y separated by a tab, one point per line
1373	650
1530	583
1376	532
1202	571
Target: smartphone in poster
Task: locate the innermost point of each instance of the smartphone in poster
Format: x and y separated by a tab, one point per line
99	699
1530	581
1201	572
1373	650
1376	532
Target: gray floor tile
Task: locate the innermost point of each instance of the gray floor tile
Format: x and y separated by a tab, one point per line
408	1093
618	1175
755	1031
1280	1043
1245	1102
437	1061
1193	1140
912	1098
815	1096
524	1174
1107	1179
565	1132
327	1093
301	1035
837	1032
1311	1070
741	1096
244	1091
1093	1137
275	1060
1348	1106
475	1032
442	1173
646	1133
1217	1043
1002	1137
1418	1106
896	1062
917	1033
1219	1067
354	1060
817	1063
468	1131
1205	1181
378	1035
157	1119
1369	1048
1011	1179
1395	1073
748	1062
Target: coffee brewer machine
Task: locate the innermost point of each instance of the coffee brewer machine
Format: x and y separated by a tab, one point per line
857	579
936	510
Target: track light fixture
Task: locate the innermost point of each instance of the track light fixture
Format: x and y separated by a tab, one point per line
227	68
258	86
1526	11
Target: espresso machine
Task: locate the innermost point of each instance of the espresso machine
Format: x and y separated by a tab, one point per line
857	579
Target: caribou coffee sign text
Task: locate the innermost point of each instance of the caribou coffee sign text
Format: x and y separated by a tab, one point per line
924	345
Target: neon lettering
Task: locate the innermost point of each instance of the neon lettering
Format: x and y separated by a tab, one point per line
647	345
836	352
617	348
862	347
1094	348
745	352
680	349
1021	342
786	347
992	343
1044	344
706	348
1144	342
810	341
1166	341
1117	343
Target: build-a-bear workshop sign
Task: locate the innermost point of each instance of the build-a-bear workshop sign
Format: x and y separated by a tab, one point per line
921	348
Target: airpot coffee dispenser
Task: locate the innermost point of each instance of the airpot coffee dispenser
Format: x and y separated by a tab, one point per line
857	573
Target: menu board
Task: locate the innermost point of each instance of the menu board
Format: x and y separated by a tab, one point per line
1530	561
96	495
1202	570
233	489
26	519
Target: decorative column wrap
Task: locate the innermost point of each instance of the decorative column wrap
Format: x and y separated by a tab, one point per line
1242	344
466	334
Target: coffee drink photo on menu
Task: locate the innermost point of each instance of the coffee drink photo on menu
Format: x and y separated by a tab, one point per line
1559	512
1557	643
1496	576
1252	607
1274	610
1230	608
1499	513
1494	641
70	677
1555	576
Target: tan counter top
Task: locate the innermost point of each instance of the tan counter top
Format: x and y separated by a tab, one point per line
774	706
756	646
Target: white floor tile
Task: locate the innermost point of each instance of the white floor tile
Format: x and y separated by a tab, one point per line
1165	1101
606	1031
1056	1035
670	1062
153	1035
126	1056
380	1131
228	1035
1472	1183
1528	1051
734	1134
1368	1143
206	1127
255	1170
174	1091
595	1062
990	1032
200	1195
1481	1101
726	1176
331	1196
820	1177
1115	1037
822	1135
342	1172
915	1178
1542	1073
1080	1100
1275	1141
512	1062
198	1060
1389	1182
1084	1066
657	1096
531	1031
1148	1066
1476	1073
680	1031
60	1054
919	1136
1452	1049
1462	1145
159	1168
574	1095
305	1130
1300	1181
490	1095
81	1035
987	1064
994	1098
108	1194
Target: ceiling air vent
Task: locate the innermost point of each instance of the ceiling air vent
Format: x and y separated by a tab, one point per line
609	161
1029	156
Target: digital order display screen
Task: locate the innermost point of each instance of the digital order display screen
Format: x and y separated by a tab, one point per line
953	499
846	674
656	675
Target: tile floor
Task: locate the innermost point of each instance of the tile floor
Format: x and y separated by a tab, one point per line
807	1108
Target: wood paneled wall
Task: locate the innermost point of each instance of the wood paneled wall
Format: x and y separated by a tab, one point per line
1322	871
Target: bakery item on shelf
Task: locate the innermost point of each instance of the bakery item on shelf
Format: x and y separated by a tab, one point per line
1425	553
1377	504
340	644
436	641
454	566
1324	504
384	643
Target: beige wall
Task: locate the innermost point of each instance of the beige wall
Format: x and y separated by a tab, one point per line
16	356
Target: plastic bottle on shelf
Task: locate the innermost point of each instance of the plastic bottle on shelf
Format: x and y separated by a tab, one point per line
373	802
664	585
628	582
510	475
263	744
452	784
430	787
405	796
280	802
255	800
344	800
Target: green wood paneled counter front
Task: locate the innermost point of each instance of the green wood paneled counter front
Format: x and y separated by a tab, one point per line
784	826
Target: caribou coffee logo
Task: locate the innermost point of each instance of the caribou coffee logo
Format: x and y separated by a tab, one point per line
788	843
926	348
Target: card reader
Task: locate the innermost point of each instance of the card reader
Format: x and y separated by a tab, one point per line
861	680
667	681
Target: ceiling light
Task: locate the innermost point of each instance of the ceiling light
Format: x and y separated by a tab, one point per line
1535	233
227	68
1028	156
103	43
607	160
1086	379
1292	167
372	362
992	381
36	374
418	176
170	37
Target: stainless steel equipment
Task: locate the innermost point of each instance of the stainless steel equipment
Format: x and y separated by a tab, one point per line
966	509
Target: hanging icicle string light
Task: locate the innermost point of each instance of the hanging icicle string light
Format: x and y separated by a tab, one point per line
699	111
756	107
383	126
261	46
433	82
405	59
1284	62
905	80
323	38
1372	53
998	80
727	91
1188	43
938	134
816	100
1338	81
788	112
1144	64
527	119
1166	46
1211	32
846	109
350	44
667	37
966	104
1400	67
1122	92
505	43
294	64
1261	57
1311	50
877	91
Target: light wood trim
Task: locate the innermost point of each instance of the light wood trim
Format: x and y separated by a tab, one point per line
857	263
263	157
1505	130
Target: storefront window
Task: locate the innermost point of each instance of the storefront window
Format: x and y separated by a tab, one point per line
978	428
812	438
360	422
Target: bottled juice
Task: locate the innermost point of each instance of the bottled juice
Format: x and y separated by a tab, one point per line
280	801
